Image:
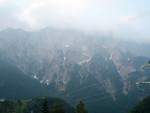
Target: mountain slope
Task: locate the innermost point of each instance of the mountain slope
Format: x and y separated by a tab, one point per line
142	106
100	70
15	84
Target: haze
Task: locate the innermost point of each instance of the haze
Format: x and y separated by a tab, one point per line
128	19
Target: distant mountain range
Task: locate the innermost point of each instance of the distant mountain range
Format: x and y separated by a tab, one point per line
101	70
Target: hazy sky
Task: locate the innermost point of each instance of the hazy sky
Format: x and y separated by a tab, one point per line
124	18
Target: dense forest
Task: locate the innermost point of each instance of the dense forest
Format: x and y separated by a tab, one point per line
40	105
56	105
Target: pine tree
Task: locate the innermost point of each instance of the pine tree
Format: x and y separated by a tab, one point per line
58	108
45	108
80	108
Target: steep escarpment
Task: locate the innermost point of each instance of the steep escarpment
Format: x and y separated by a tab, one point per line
75	65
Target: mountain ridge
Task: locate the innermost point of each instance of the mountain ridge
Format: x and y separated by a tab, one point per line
70	61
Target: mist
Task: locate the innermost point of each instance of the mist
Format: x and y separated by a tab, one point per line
122	19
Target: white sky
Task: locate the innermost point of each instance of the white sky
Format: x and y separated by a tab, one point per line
123	18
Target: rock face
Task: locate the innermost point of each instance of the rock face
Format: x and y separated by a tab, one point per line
72	62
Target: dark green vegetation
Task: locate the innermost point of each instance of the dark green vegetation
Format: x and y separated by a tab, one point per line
142	107
36	105
16	85
80	108
45	108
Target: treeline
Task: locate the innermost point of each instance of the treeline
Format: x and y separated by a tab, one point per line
40	105
60	108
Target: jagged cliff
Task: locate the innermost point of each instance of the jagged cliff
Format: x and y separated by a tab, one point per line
67	60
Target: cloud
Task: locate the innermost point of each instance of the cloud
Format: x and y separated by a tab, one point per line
48	12
27	17
77	14
119	17
136	17
37	14
1	2
129	19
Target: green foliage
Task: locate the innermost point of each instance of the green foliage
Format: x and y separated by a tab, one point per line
45	108
142	106
80	108
36	105
58	108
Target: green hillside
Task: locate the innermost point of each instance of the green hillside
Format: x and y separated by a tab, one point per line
142	107
15	84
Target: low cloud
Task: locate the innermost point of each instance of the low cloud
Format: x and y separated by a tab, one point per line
129	19
107	16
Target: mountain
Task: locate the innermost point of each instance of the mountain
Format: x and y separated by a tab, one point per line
32	106
100	70
142	106
14	84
